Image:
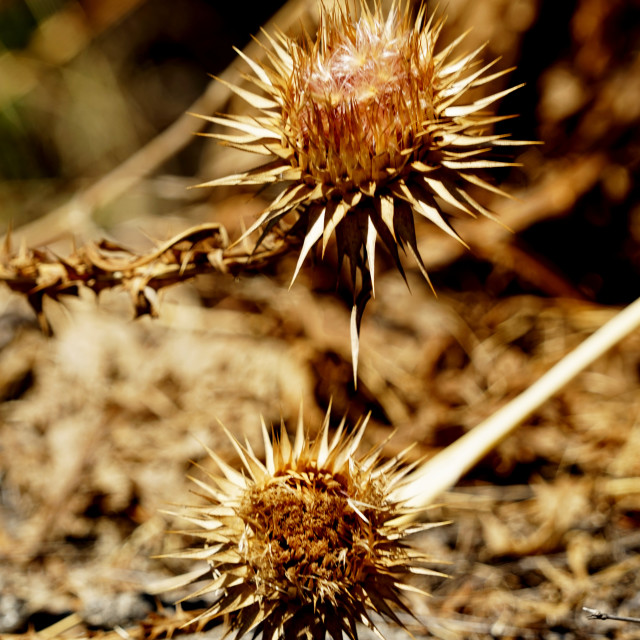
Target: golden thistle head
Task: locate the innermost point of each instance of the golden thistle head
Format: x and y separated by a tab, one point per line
365	127
307	543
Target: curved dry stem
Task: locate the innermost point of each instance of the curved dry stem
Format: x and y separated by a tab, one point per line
442	471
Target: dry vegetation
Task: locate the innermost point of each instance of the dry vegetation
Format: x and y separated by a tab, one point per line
99	423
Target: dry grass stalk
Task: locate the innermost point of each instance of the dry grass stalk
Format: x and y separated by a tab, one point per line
445	469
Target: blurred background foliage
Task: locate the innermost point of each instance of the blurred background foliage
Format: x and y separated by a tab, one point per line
83	85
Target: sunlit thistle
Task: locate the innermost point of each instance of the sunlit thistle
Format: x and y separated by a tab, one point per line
366	126
308	543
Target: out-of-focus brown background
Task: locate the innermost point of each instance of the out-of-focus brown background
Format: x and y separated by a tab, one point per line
98	424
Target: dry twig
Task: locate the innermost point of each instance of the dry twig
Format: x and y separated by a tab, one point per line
596	614
447	467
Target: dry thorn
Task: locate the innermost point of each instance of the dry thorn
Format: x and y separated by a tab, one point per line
195	251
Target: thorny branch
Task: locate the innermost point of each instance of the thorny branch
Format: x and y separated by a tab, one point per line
97	266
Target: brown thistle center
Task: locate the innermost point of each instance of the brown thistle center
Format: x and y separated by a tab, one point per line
357	106
306	537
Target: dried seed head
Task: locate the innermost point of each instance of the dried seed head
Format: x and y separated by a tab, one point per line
307	543
356	104
365	127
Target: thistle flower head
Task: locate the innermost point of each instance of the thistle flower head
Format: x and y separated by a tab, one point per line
307	543
366	126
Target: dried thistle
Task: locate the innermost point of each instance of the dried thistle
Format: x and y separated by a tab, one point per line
309	542
364	127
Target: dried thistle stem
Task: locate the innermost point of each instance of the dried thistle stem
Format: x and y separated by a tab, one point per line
443	470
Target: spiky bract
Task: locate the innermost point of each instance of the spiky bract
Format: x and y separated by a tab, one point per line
366	126
307	543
